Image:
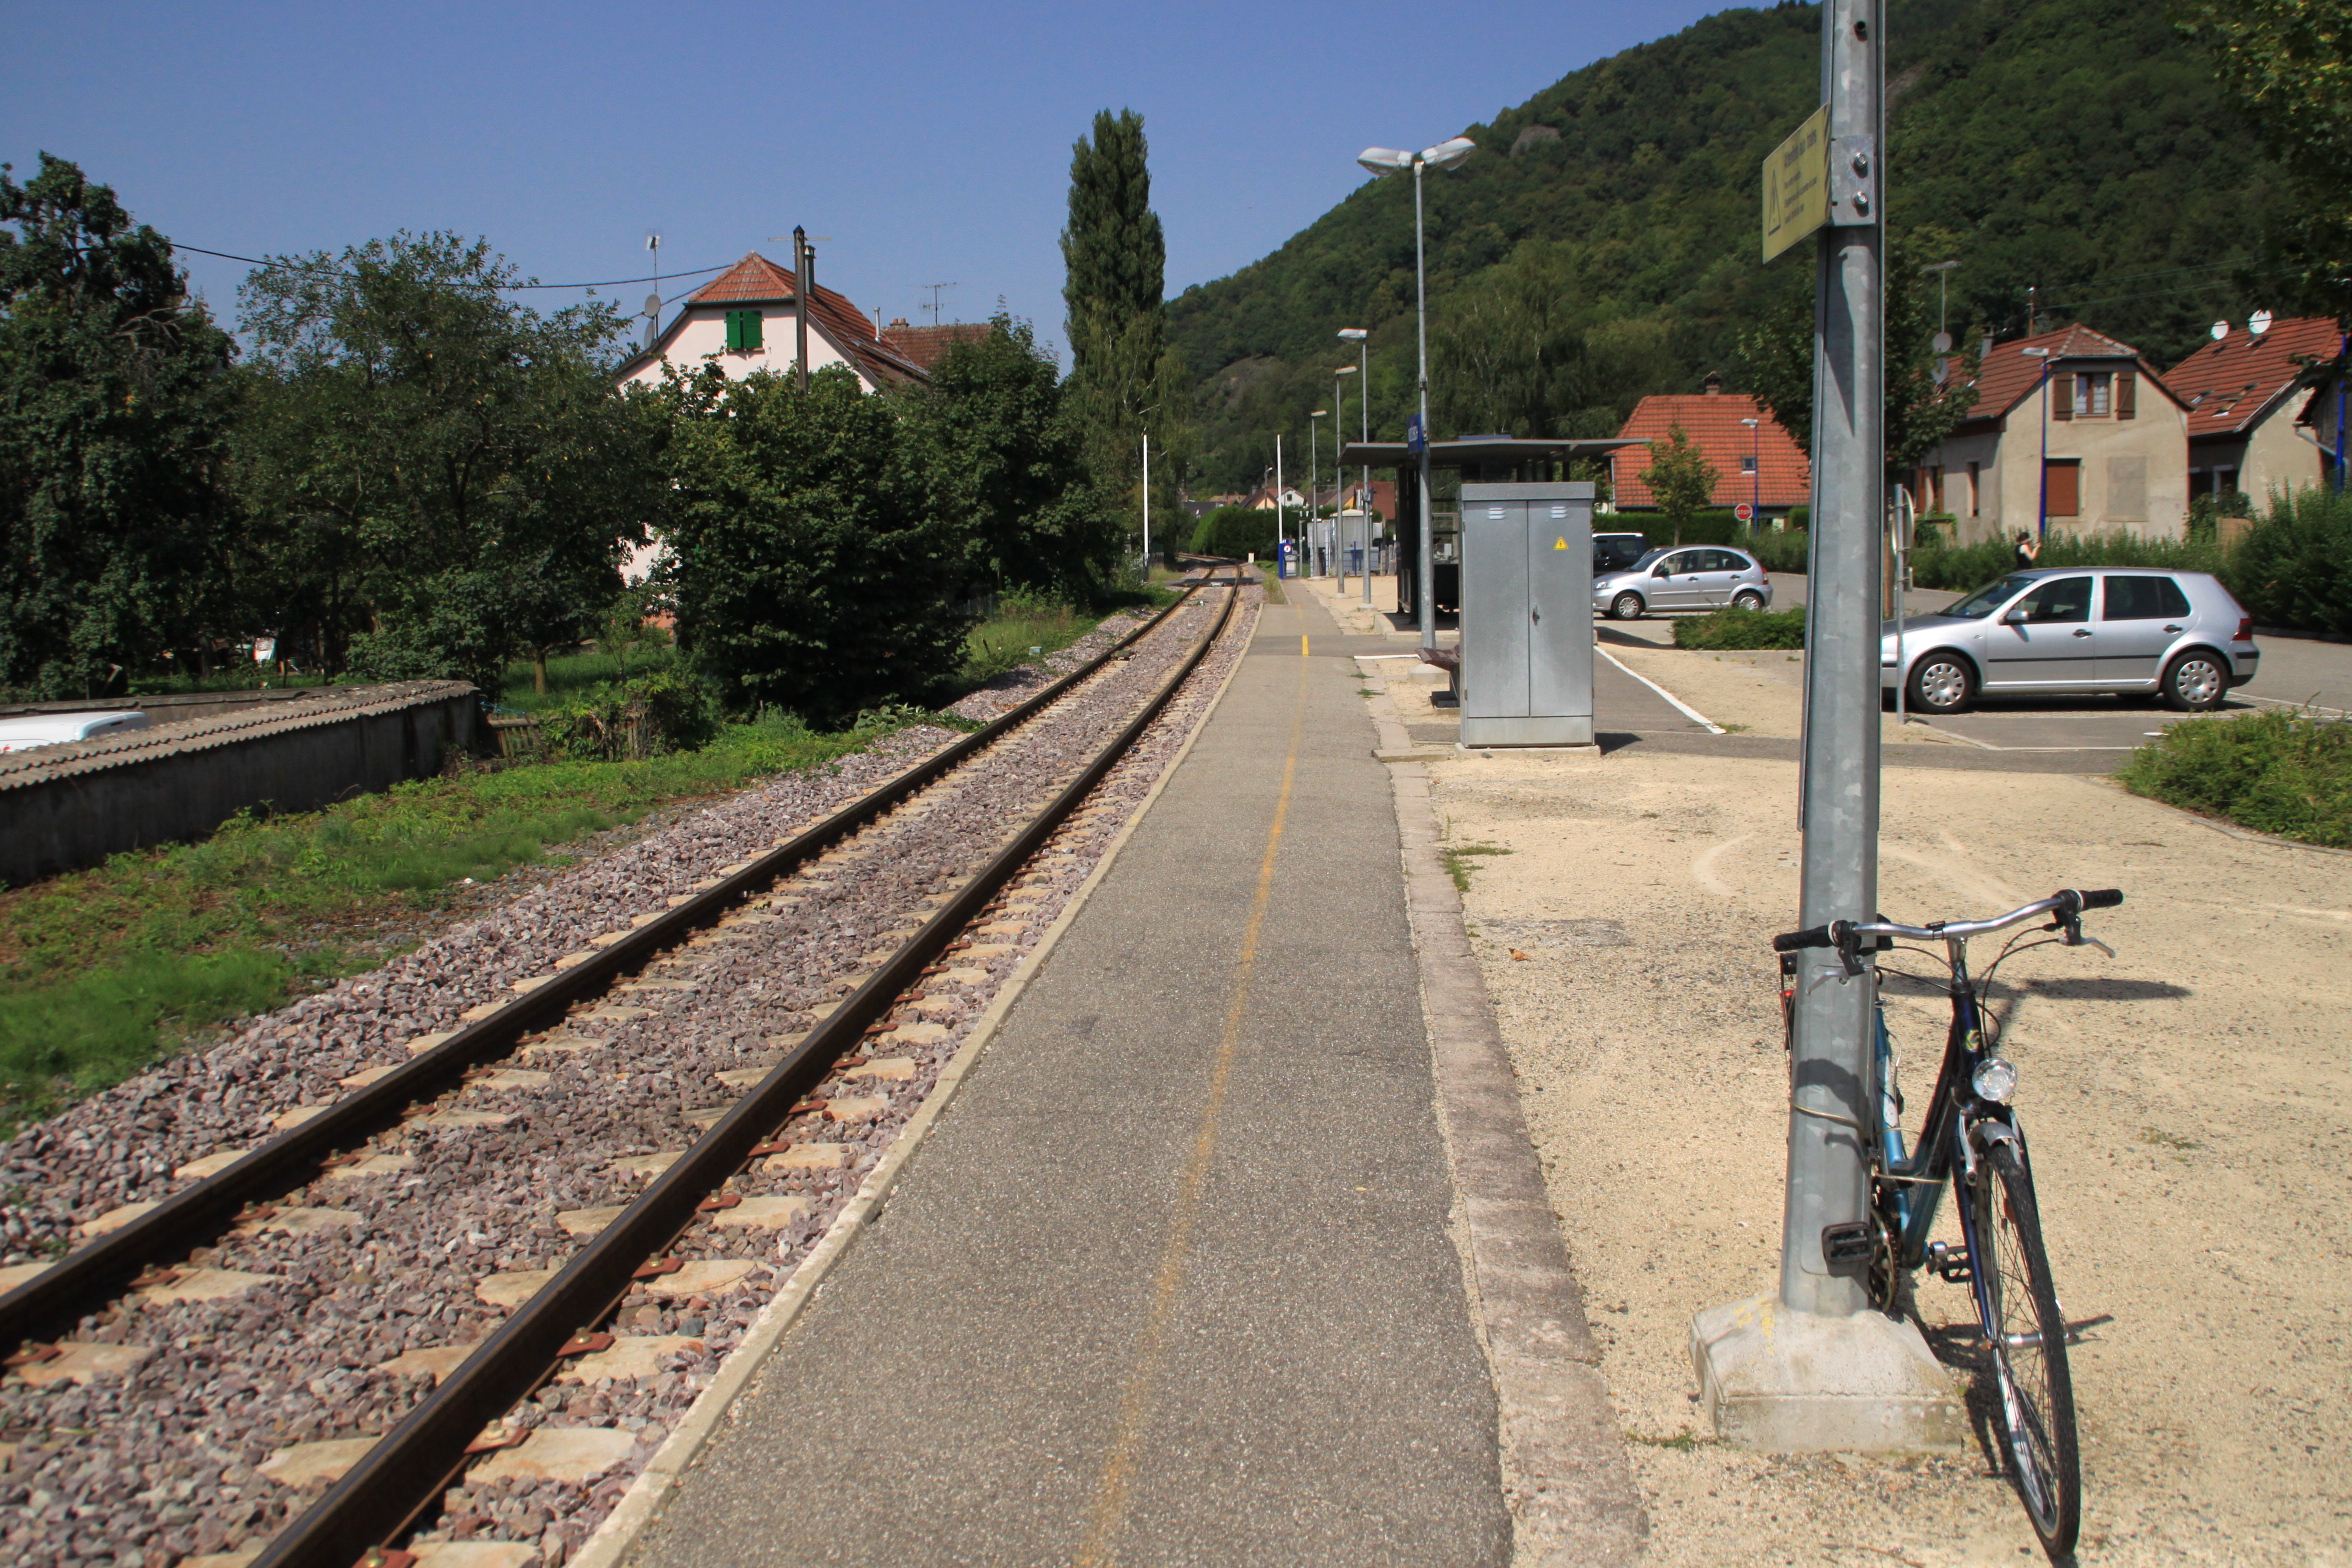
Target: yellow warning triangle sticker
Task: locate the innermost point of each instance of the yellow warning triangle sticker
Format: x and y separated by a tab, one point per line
1560	543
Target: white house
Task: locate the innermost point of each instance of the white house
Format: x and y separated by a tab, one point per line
744	321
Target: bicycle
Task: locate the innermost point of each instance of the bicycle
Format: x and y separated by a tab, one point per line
1970	1130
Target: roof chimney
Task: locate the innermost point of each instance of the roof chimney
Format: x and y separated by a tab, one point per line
1714	383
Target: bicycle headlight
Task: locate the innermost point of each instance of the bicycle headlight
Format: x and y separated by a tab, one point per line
1994	1079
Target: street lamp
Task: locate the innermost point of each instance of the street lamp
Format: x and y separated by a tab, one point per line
1384	160
2042	524
1363	367
1338	471
1307	542
1756	472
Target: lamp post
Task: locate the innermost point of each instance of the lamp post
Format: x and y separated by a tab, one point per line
1313	431
1147	509
1383	160
1280	565
1339	472
1756	473
2042	523
1363	369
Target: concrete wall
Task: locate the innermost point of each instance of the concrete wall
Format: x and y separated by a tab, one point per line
66	807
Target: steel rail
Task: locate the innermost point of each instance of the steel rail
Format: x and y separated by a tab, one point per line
99	1271
401	1475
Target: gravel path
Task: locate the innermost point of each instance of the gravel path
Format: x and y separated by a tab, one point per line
173	1426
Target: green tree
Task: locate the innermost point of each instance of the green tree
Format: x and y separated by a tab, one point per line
2288	64
446	477
814	568
115	407
1776	359
1681	478
1005	455
1124	378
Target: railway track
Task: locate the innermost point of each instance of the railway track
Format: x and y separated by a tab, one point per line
412	1138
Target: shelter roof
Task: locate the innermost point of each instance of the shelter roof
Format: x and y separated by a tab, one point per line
1473	452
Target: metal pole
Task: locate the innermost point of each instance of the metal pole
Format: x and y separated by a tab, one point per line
1830	1062
1903	525
1425	568
800	288
1147	509
2343	374
1339	474
1307	543
1364	415
1280	564
2042	522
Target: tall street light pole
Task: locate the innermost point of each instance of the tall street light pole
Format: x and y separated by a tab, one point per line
1147	509
1313	431
1338	469
1383	160
1279	563
1756	473
1363	369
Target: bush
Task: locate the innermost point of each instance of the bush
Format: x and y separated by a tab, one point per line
2274	771
2294	568
652	716
1235	532
1738	628
1788	552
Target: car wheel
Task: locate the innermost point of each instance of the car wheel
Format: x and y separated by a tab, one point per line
1626	607
2195	683
1942	683
1747	599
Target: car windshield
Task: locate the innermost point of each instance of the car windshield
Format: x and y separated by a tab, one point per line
1986	600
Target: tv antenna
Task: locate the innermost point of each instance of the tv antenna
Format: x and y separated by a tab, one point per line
935	288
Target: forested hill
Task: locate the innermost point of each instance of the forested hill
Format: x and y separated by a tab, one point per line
2077	145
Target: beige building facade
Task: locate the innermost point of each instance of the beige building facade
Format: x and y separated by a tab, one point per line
2081	438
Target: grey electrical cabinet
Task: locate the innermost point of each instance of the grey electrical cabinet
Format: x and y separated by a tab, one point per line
1527	627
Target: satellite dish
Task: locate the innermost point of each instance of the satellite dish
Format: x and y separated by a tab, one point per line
1943	369
2258	323
1943	342
653	304
2220	330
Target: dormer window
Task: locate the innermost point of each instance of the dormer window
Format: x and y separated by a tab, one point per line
2093	390
2094	394
743	331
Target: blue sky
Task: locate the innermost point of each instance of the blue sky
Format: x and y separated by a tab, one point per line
930	142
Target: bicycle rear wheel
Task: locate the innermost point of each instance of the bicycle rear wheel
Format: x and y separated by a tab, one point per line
2019	1307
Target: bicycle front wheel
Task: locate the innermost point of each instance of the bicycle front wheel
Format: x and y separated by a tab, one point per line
2019	1307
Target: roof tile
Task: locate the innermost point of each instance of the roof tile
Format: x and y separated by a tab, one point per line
2231	382
1711	420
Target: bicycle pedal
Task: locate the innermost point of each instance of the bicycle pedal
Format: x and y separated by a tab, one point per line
1950	1263
1844	1244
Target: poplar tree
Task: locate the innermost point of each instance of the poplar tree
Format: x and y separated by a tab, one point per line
1124	379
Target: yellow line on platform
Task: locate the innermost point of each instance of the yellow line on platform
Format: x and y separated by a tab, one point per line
1116	1485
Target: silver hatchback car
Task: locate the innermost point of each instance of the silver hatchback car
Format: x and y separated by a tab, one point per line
2178	635
1693	577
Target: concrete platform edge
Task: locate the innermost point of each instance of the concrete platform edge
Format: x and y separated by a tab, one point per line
1566	1478
641	1504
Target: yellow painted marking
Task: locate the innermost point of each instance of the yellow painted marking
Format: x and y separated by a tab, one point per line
1302	645
1116	1484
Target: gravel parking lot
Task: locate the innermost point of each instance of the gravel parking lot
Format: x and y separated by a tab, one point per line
2186	1103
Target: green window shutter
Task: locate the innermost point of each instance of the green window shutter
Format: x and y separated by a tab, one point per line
734	330
751	329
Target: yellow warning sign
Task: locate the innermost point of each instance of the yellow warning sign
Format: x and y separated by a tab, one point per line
1796	185
1560	543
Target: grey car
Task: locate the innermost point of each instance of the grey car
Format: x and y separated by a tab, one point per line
2177	635
1693	577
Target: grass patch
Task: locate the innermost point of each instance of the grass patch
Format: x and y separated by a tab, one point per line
1683	1441
1461	859
2275	772
1273	584
1023	628
103	971
1737	628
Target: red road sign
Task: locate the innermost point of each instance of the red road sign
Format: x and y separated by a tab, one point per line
1744	512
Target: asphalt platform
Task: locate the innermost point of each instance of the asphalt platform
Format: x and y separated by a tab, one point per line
1170	1281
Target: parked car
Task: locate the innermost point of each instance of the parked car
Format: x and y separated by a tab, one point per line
2175	635
57	729
1616	552
1695	577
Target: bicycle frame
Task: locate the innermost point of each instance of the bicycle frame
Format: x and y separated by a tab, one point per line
1915	1181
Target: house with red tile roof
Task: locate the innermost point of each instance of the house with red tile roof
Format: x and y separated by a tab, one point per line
2259	421
927	346
1755	463
743	321
2080	410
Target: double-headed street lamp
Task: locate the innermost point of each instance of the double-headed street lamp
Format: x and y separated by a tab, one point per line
1383	160
1363	371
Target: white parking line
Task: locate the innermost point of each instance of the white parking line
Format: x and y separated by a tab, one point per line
1687	711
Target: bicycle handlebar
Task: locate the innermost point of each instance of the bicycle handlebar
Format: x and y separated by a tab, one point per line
2068	904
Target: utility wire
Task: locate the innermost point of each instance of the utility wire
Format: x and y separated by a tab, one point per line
605	283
